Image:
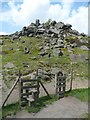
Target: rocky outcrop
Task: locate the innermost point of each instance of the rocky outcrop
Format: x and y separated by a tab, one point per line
52	29
57	35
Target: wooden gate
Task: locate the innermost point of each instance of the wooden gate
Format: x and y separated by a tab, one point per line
60	84
28	91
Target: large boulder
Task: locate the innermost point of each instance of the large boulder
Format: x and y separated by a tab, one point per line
60	53
55	31
9	65
83	47
40	31
24	28
37	22
67	26
59	25
43	53
26	50
74	32
53	23
15	37
82	34
44	74
1	42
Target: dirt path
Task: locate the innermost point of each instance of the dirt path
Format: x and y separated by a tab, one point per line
68	107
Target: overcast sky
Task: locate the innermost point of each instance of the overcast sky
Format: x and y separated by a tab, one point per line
15	15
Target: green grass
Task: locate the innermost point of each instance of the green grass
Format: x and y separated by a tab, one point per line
11	109
18	58
42	102
86	116
81	94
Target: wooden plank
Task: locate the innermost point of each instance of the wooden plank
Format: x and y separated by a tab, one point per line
61	77
29	80
30	99
61	82
29	93
27	87
58	86
61	92
25	94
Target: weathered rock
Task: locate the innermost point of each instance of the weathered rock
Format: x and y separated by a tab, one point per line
43	54
24	28
40	31
67	26
75	32
59	46
73	45
1	42
60	41
82	34
84	47
55	31
30	35
40	48
26	50
46	48
34	58
25	64
59	25
15	37
23	41
55	70
53	23
43	74
37	22
53	42
9	65
60	53
10	49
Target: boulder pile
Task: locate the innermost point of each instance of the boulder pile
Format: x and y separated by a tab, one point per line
57	35
50	29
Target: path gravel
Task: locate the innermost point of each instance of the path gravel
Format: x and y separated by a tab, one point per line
68	107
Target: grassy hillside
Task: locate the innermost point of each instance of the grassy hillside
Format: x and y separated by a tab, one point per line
13	51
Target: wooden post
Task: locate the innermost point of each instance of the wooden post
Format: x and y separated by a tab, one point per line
64	88
71	77
19	87
56	83
37	84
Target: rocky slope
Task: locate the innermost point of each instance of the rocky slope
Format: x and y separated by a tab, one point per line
47	45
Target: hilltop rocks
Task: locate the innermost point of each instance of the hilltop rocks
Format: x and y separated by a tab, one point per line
59	25
56	35
37	22
51	29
